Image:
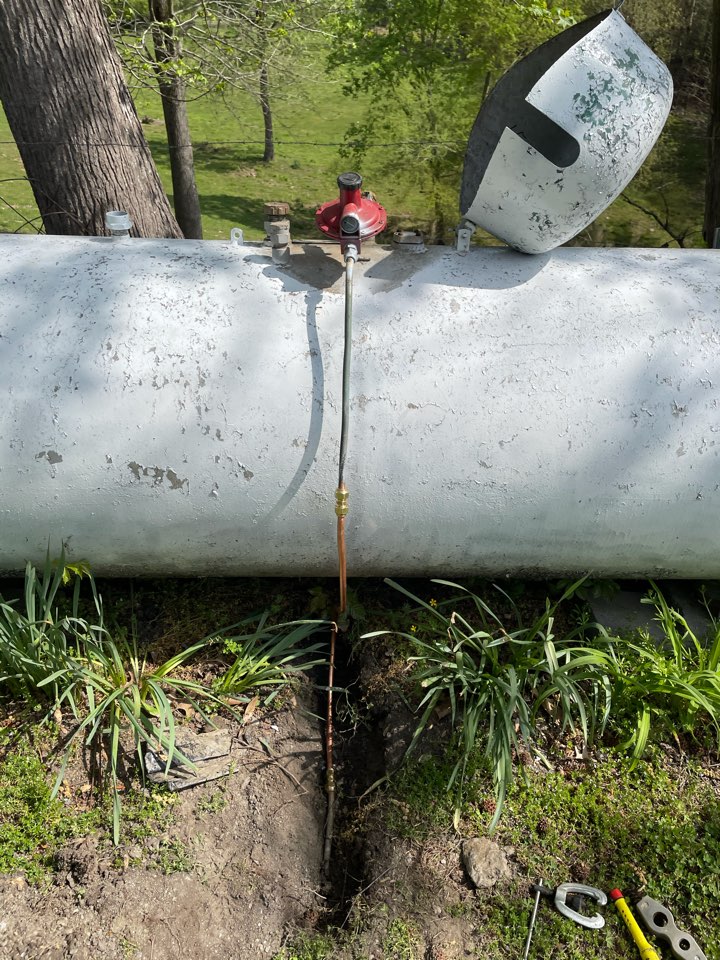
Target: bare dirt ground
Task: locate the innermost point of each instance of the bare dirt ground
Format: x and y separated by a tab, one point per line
241	876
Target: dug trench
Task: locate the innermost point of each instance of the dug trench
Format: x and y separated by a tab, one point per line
387	893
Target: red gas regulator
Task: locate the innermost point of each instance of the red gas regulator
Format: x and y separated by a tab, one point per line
354	217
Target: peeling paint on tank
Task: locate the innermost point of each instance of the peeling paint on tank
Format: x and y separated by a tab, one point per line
52	456
175	482
158	475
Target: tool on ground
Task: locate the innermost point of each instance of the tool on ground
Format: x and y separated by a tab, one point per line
661	923
538	888
647	951
569	899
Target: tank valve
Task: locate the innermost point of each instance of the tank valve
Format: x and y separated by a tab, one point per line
353	217
277	228
118	223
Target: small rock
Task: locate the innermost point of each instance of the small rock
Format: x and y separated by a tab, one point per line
486	862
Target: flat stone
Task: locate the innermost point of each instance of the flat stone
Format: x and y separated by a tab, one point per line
486	862
209	752
623	613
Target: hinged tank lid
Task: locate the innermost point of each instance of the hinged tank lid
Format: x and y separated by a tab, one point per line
563	133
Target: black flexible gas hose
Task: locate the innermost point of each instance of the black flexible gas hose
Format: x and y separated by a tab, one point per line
350	255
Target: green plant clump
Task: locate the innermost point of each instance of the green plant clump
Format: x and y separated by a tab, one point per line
669	686
110	688
35	645
33	824
496	681
267	655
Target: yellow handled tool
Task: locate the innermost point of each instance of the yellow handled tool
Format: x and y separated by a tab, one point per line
647	952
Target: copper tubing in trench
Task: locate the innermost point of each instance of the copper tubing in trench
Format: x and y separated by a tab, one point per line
329	765
341	508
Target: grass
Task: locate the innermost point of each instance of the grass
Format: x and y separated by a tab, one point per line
306	947
174	856
147	840
213	802
402	942
234	183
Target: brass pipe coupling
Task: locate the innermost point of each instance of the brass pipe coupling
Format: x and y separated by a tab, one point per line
342	496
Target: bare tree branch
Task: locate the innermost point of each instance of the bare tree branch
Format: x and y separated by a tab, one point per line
663	222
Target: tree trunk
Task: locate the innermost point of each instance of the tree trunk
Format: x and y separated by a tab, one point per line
72	117
269	153
168	50
261	27
712	185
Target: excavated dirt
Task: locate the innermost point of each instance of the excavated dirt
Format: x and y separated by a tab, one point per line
242	876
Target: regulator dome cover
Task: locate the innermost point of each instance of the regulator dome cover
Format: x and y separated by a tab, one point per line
563	133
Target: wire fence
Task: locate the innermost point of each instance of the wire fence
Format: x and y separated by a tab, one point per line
216	143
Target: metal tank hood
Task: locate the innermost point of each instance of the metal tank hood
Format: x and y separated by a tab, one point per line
173	407
563	133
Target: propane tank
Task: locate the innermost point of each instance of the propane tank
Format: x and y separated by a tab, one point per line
171	407
353	217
